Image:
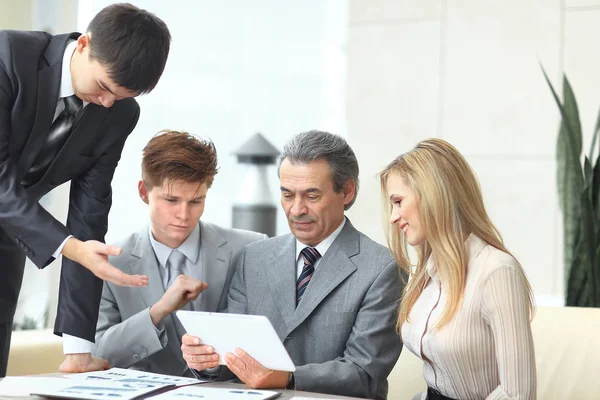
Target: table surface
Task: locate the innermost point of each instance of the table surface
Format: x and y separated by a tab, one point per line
285	394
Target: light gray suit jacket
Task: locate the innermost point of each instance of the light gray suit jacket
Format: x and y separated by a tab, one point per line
125	334
342	336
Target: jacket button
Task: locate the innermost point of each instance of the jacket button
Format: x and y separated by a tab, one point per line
136	356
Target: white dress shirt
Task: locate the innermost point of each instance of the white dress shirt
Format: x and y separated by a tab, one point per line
321	248
66	90
486	350
190	248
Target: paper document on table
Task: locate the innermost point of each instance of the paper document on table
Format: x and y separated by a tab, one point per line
130	375
23	386
93	390
207	393
306	398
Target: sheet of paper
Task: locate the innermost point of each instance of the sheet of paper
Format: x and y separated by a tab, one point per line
130	375
95	390
206	393
305	398
24	385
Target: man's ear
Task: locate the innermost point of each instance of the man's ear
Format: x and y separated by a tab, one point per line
349	191
143	191
83	41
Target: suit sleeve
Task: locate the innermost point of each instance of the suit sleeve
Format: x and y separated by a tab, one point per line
89	203
125	342
33	229
236	299
371	350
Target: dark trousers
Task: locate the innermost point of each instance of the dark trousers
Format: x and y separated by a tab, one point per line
12	265
433	394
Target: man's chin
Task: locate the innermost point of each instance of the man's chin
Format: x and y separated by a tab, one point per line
304	236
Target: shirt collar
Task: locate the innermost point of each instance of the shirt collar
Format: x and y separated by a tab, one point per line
325	243
66	85
190	247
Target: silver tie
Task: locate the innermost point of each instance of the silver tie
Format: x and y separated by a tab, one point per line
177	267
176	264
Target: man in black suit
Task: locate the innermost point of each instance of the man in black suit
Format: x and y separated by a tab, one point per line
66	109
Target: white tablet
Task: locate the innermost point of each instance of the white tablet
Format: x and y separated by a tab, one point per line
252	333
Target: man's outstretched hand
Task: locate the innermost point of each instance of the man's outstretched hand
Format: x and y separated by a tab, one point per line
93	255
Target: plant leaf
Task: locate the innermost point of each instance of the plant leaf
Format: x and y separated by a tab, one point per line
569	174
595	137
576	293
587	238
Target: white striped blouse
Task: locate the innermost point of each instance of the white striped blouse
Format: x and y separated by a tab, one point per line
486	350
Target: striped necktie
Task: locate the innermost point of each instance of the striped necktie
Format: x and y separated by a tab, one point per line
310	255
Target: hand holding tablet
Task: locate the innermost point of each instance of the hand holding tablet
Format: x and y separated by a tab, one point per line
225	332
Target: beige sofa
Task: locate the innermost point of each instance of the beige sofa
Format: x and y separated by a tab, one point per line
567	346
34	352
567	351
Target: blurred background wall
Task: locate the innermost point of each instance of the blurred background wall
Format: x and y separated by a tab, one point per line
235	68
383	73
469	72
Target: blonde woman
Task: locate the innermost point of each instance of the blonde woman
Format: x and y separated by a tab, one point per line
467	307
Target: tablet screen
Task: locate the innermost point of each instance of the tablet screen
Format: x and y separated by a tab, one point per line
225	332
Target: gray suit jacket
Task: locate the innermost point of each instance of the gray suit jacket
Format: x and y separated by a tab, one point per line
126	336
342	336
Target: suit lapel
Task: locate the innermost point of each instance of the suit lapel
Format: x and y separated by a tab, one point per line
333	269
214	262
143	261
90	120
280	272
47	97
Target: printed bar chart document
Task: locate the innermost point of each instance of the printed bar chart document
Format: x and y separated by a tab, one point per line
206	393
130	375
93	390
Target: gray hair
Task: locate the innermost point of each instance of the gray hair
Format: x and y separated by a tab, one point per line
316	145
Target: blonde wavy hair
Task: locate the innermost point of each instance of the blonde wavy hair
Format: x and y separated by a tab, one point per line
451	208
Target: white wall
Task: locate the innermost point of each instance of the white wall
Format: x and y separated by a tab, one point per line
236	67
16	14
468	72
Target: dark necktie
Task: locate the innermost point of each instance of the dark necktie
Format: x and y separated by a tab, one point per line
59	132
310	255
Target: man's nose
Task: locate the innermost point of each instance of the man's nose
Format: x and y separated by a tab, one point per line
107	100
298	208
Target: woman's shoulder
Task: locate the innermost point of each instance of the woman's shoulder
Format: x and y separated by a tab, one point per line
490	259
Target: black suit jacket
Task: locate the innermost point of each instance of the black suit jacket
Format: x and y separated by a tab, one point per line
30	74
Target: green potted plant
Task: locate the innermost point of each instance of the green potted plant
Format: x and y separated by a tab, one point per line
578	192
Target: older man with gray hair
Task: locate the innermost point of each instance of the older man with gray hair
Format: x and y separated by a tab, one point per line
330	292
